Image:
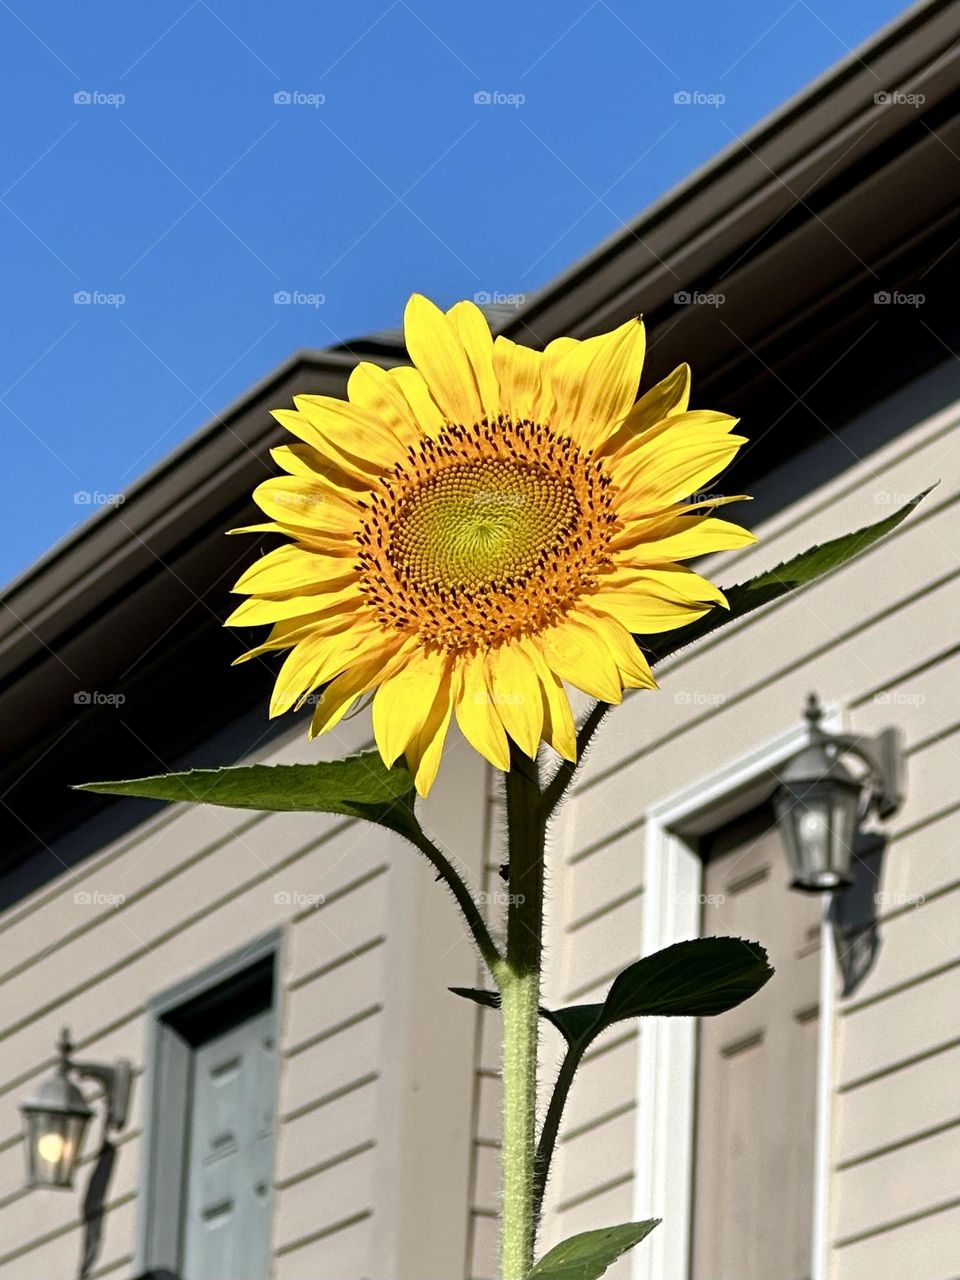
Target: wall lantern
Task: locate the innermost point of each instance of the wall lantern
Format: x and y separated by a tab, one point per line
820	804
55	1120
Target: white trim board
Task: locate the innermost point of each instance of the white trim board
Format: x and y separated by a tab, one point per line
666	1074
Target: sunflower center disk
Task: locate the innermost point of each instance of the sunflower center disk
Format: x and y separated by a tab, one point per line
474	526
485	533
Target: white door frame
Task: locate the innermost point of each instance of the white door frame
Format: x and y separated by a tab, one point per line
673	877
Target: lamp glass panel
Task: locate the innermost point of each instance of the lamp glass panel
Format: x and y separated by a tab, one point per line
818	823
54	1140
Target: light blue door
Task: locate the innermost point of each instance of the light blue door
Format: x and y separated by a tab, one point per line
226	1228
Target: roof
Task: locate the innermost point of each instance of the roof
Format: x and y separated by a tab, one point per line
797	226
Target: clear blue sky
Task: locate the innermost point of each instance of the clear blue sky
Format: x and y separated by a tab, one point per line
198	197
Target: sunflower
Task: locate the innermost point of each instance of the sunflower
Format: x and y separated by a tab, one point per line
472	534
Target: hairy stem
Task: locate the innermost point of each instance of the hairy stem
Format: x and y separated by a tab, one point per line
551	1125
557	786
448	873
520	1000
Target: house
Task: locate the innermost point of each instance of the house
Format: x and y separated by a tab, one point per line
308	1102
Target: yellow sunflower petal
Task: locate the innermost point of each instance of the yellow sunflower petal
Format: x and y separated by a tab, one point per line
594	383
377	393
675	471
300	501
633	667
289	570
402	703
574	653
477	716
516	696
303	460
437	351
364	469
341	693
518	373
318	659
679	538
668	398
351	430
559	729
423	754
649	601
260	609
471	327
422	404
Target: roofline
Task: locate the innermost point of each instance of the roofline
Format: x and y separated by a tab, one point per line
720	162
170	462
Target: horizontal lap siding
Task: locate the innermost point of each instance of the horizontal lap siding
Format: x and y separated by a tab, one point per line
880	638
194	885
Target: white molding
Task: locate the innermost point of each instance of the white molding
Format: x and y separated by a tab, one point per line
666	1072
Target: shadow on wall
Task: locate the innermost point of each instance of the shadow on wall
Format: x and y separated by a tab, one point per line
853	913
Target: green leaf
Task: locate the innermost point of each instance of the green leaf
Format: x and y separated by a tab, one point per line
358	787
587	1256
694	979
489	999
798	572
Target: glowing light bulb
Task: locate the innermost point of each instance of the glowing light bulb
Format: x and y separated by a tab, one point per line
51	1147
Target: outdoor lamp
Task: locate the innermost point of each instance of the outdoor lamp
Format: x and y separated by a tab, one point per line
819	803
55	1120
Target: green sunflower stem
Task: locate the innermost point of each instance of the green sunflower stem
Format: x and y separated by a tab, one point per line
520	1000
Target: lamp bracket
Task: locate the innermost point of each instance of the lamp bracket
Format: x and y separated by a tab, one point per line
116	1081
883	757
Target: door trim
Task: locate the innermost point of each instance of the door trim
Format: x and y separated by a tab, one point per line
157	1006
666	1068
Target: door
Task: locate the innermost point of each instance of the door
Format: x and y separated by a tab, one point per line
757	1071
226	1228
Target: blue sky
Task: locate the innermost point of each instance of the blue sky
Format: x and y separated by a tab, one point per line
158	193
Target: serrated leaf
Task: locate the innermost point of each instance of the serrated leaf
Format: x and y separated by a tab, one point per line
693	979
767	587
588	1255
359	787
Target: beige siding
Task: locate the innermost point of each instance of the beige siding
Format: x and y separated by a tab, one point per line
181	891
879	638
